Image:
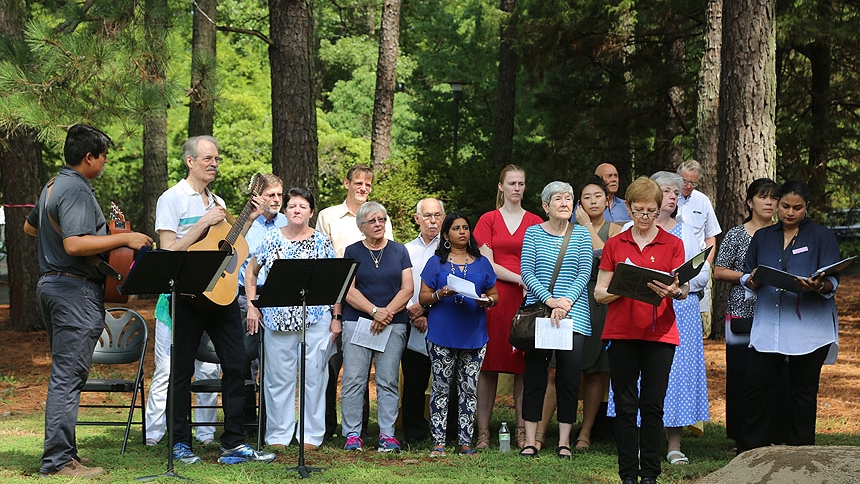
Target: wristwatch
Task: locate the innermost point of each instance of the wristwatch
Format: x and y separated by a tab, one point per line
337	317
373	311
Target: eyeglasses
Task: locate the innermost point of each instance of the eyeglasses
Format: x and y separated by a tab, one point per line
428	216
691	183
273	195
637	214
210	158
376	220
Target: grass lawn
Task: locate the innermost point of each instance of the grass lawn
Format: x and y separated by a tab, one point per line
21	448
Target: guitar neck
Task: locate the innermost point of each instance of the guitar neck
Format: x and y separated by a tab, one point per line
240	223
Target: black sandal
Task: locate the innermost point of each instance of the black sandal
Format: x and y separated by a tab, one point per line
560	455
527	447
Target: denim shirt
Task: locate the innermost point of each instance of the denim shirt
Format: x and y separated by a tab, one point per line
785	322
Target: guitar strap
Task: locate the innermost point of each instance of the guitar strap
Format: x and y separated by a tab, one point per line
101	265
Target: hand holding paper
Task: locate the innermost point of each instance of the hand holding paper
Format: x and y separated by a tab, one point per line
464	287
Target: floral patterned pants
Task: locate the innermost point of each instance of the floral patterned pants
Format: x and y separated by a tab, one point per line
454	366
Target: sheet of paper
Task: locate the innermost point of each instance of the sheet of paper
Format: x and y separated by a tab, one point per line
417	341
464	287
363	337
549	337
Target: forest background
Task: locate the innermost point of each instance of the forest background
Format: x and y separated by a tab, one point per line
437	95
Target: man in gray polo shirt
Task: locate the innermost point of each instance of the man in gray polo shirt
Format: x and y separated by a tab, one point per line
72	236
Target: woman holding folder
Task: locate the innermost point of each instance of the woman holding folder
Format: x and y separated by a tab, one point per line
456	327
641	337
565	291
800	326
375	305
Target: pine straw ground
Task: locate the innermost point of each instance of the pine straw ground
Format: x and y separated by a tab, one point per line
25	367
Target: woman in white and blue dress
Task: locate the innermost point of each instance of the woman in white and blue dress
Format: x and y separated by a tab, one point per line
283	326
686	401
761	203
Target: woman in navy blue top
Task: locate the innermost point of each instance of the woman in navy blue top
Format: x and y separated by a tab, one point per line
381	288
456	327
800	326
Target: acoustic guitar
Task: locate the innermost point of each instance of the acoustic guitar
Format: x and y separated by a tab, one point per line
120	258
228	239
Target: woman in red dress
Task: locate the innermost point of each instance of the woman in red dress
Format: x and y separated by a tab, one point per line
500	236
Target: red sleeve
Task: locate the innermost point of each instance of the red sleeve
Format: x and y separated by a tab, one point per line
607	260
484	229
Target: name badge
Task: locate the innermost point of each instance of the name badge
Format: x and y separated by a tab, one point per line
800	250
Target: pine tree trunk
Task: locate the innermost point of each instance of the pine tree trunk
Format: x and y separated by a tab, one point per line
747	146
708	116
818	53
294	121
386	77
22	178
201	115
155	120
503	138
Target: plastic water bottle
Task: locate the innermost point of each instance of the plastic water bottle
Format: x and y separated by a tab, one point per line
504	438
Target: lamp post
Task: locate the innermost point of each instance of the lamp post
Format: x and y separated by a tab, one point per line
457	91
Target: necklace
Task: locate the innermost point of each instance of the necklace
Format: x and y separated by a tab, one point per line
376	259
458	298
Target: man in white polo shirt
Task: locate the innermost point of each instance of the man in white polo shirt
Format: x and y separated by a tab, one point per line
695	209
338	222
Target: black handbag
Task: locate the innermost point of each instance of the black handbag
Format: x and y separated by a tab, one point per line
522	335
740	325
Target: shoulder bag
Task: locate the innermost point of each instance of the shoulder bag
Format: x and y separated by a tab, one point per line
523	325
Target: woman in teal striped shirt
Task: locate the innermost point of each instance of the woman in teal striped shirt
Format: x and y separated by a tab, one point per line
568	300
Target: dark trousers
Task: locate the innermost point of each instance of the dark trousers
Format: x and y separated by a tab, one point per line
630	360
416	375
74	315
762	378
567	376
224	326
335	364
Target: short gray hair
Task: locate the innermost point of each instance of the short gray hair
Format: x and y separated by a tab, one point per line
689	165
553	188
418	205
190	146
368	208
667	178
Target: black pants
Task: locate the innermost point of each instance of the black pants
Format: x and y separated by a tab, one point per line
628	361
762	378
568	365
223	323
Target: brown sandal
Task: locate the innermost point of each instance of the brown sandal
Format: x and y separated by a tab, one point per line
539	440
483	440
521	437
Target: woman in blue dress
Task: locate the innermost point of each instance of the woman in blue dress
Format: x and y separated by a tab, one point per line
686	401
456	328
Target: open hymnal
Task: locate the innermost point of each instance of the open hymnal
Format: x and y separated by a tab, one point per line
631	281
772	276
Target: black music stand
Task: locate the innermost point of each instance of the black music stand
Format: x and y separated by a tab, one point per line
305	282
174	272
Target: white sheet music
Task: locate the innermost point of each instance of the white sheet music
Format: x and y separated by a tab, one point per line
549	337
464	287
417	341
363	337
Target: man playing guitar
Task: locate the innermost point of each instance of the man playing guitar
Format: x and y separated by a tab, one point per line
184	215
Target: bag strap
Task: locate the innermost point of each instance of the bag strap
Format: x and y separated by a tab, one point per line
101	265
560	259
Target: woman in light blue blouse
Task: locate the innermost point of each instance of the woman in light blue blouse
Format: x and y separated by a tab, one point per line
283	326
568	300
800	326
456	328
